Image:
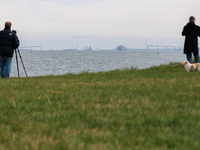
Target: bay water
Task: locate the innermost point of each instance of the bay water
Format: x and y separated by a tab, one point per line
42	63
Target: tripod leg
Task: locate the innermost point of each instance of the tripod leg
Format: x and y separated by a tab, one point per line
22	62
17	63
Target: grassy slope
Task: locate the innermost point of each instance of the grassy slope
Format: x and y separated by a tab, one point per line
155	108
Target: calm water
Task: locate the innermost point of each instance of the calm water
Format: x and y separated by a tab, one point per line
41	63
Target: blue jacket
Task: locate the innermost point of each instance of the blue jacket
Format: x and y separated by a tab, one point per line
8	42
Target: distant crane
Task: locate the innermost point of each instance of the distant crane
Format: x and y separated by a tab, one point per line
86	48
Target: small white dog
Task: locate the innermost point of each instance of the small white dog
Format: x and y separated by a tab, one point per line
190	67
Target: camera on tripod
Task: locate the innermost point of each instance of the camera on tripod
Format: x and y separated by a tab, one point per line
17	50
14	31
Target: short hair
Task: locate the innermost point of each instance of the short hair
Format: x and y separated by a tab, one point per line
192	18
8	24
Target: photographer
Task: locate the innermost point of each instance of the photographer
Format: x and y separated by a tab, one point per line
8	42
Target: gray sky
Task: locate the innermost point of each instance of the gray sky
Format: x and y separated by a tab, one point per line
61	24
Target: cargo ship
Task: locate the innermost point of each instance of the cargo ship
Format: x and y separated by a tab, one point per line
121	48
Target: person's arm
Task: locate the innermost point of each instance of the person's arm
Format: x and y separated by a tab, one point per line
199	32
184	32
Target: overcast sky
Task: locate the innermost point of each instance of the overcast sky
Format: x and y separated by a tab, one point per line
103	24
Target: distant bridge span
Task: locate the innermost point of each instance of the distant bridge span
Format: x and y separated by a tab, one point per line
159	47
30	47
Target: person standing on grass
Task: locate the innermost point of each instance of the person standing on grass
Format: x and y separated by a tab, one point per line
8	42
191	32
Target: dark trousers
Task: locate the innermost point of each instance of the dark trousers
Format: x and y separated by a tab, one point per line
189	57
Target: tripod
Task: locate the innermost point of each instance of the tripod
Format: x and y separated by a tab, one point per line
17	50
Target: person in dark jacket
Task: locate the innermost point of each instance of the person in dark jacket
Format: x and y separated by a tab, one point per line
8	42
191	32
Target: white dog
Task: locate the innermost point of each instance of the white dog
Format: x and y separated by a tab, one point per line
190	67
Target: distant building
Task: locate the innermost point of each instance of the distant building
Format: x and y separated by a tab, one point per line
89	48
121	48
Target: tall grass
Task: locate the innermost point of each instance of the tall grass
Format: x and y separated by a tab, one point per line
156	108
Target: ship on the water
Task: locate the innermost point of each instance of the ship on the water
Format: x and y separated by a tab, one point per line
121	48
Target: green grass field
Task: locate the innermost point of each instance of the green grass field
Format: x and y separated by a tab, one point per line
149	109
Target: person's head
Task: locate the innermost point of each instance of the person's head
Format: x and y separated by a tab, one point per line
192	19
8	24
